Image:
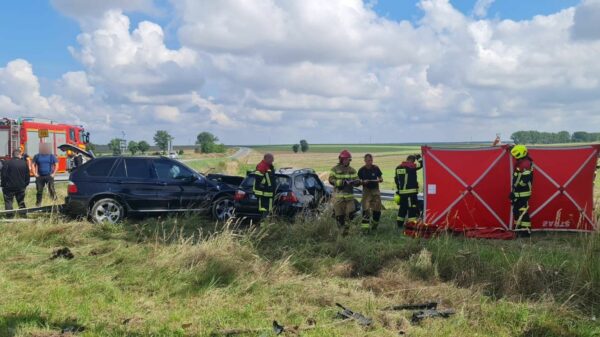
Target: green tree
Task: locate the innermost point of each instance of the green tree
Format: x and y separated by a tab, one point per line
303	145
580	137
206	141
162	139
295	148
143	146
564	137
133	147
115	146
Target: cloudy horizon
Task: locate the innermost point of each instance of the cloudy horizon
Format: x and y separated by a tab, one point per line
343	71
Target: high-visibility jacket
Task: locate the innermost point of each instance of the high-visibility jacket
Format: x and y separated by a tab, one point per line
264	181
523	178
406	177
339	177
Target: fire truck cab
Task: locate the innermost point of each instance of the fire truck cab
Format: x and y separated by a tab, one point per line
27	133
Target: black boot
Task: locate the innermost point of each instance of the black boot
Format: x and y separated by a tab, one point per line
523	232
341	221
376	217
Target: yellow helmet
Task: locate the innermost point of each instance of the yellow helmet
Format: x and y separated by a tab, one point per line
519	151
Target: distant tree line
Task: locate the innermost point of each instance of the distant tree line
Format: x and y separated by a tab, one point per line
537	137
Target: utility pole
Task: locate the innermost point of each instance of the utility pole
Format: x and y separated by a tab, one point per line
123	143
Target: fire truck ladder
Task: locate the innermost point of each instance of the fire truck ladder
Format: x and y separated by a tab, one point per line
15	136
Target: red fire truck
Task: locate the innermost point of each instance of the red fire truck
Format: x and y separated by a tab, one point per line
27	133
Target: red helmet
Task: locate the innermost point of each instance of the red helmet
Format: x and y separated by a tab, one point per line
345	154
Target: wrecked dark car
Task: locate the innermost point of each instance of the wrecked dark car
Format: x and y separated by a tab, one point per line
296	191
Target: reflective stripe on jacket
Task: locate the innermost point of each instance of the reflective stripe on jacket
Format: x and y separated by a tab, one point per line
522	181
264	180
338	178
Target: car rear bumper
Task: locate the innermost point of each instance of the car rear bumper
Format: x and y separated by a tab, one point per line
76	205
253	214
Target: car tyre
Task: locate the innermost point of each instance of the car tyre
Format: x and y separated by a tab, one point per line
223	208
107	210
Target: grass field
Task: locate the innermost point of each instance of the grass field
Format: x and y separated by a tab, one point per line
323	158
189	276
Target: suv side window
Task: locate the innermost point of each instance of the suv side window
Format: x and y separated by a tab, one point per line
119	171
169	170
138	168
100	167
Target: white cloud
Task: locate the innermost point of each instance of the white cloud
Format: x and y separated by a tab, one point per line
167	113
21	86
587	21
481	7
74	84
329	71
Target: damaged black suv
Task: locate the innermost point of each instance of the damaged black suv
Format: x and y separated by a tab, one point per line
106	189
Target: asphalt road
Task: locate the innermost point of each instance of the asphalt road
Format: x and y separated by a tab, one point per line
240	153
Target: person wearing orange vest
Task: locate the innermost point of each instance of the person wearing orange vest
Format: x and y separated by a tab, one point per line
343	178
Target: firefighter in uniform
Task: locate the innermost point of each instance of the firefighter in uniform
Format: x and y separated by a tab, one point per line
521	190
264	184
343	178
407	188
371	176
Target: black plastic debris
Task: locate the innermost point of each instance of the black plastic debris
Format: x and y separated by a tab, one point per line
278	329
64	253
423	314
72	329
417	306
356	316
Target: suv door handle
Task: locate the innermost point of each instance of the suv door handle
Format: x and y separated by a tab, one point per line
162	183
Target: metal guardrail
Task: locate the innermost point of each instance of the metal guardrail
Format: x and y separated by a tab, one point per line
42	209
58	177
385	194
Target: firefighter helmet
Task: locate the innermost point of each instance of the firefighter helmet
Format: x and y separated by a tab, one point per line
519	151
345	155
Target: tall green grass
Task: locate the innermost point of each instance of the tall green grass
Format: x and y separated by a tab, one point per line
189	276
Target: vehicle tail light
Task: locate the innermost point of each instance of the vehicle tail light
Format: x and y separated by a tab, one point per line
239	195
72	188
289	197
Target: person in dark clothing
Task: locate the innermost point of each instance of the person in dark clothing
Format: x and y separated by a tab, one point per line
520	194
45	166
407	188
370	176
15	178
264	184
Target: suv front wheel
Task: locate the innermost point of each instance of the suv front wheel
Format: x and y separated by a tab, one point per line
223	208
107	210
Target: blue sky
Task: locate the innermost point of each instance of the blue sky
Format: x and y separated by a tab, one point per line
504	9
37	32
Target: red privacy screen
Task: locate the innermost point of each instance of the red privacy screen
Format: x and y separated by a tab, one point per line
469	188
